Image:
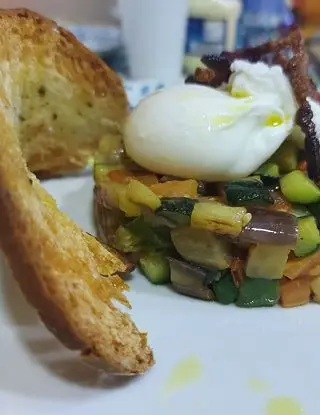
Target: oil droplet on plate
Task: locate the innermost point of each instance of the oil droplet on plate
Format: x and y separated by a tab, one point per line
282	405
258	385
185	372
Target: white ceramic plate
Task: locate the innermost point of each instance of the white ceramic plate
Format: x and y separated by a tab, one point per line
211	359
235	361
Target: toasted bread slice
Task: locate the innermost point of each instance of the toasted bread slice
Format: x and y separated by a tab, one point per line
59	267
65	100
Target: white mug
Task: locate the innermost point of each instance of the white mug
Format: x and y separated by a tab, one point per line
154	36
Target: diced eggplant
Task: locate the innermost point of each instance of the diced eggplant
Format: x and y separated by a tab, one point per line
190	280
202	247
267	261
270	227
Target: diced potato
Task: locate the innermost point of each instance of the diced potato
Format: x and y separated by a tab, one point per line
306	267
267	261
141	194
176	188
127	206
219	218
295	293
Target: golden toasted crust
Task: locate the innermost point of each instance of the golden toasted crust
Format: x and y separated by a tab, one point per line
59	267
64	100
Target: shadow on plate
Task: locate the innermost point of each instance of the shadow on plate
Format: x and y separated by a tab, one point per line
35	354
79	205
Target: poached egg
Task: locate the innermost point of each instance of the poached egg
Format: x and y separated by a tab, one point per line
194	131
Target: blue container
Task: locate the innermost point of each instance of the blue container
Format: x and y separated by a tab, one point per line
261	21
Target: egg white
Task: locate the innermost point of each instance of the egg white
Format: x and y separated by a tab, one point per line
194	131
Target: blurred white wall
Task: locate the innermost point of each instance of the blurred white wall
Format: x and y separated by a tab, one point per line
79	11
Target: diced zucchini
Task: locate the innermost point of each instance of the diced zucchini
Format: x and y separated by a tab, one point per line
298	188
155	267
202	247
308	237
272	183
314	209
155	238
267	261
300	211
251	181
141	194
258	293
286	157
269	169
177	209
100	172
125	241
219	218
247	192
224	289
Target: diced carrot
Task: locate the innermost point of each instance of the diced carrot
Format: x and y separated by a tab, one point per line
176	188
147	179
315	288
237	271
281	204
294	293
120	175
307	267
302	165
124	176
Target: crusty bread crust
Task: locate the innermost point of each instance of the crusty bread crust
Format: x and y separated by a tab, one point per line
59	267
64	100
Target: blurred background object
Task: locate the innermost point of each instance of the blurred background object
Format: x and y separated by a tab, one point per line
93	22
154	37
212	28
159	33
262	20
308	12
76	11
